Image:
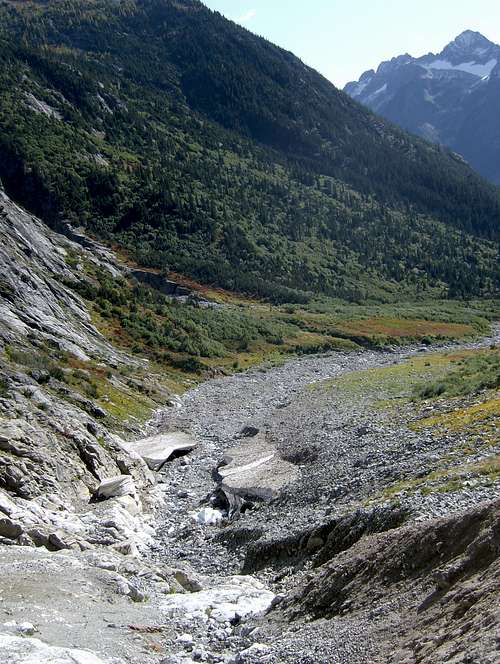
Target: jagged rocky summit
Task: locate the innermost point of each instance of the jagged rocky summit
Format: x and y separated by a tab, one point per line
451	98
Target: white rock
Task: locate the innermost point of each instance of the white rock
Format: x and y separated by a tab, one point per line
238	596
131	503
186	639
26	628
7	506
114	487
22	650
207	517
122	585
13	627
128	527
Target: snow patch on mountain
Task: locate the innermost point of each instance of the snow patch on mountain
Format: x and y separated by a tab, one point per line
359	88
475	68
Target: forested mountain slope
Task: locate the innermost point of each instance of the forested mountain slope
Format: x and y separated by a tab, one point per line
200	147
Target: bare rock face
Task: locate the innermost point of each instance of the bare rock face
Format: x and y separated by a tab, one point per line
43	459
56	447
34	301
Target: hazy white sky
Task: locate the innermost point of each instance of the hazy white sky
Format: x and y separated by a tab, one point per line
344	38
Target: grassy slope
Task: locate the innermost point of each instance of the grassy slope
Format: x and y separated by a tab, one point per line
461	391
239	332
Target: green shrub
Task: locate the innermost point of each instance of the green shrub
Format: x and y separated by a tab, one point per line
56	372
190	365
475	373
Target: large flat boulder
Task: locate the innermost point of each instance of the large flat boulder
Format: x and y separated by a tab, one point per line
157	450
253	470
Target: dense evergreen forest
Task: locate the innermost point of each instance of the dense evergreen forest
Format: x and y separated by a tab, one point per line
201	148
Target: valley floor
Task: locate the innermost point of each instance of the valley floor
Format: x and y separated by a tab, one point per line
335	459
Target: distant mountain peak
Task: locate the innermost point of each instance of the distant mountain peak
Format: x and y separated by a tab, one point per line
470	39
394	63
449	97
469	46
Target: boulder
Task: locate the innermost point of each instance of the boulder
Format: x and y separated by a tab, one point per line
60	541
253	470
115	487
7	506
10	529
248	432
132	464
256	653
38	537
157	450
24	628
207	517
188	580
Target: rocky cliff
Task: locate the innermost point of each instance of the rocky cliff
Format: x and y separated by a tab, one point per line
57	438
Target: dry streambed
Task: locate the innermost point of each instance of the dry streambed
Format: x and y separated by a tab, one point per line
302	461
294	476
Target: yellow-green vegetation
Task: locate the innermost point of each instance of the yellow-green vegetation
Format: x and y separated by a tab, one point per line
124	398
489	468
398	328
188	341
473	372
457	373
448	480
482	417
467	403
476	373
395	383
381	325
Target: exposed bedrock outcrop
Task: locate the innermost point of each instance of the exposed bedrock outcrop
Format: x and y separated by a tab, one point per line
57	450
34	302
161	283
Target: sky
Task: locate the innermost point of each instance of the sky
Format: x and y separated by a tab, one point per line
344	38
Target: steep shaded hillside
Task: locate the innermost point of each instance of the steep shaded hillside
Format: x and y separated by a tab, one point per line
200	147
452	98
